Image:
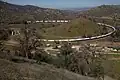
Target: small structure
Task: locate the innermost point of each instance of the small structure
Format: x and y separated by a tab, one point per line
59	46
48	45
28	22
15	31
77	47
93	45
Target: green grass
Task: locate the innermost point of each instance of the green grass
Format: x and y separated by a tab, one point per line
78	27
113	55
113	67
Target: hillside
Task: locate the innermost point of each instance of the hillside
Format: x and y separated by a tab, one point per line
104	10
12	12
78	27
27	71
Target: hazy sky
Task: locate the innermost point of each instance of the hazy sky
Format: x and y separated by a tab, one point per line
64	3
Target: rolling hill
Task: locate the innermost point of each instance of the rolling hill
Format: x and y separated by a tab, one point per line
78	27
104	10
12	12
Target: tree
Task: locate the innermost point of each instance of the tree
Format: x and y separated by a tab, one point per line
88	61
4	52
104	29
28	41
115	19
78	63
65	52
4	33
116	36
66	49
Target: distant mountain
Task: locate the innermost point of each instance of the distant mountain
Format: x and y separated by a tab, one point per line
12	12
104	10
78	9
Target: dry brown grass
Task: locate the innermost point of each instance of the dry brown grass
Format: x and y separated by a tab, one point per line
28	71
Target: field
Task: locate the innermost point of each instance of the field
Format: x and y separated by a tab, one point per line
112	65
79	27
113	68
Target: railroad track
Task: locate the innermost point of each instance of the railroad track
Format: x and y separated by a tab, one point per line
84	39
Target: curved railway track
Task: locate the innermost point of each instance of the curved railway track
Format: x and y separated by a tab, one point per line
84	39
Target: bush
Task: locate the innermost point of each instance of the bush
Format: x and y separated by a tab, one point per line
42	56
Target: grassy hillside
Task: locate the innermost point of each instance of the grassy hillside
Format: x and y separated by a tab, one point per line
78	27
28	71
104	10
114	70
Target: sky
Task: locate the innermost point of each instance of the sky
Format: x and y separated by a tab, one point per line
64	3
